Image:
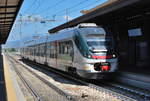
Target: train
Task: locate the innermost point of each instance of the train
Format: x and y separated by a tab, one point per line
85	50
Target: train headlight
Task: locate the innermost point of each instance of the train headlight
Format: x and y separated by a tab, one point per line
113	55
89	56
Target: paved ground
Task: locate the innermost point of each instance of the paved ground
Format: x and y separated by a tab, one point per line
2	83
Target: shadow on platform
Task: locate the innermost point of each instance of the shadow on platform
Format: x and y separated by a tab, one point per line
2	81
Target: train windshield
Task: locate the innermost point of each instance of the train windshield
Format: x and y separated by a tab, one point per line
96	39
98	42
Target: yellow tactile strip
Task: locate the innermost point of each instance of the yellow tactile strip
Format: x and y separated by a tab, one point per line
11	94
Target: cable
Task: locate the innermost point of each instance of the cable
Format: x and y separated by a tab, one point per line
75	10
28	9
50	7
41	2
76	5
36	7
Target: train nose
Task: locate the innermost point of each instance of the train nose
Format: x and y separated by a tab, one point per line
105	68
101	66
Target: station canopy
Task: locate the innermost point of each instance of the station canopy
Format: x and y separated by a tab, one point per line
8	12
112	11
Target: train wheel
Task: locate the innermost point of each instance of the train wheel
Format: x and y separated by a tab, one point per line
72	70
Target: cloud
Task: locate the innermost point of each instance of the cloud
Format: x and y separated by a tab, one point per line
31	18
67	17
25	19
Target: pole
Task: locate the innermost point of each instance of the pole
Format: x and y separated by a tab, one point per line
67	19
20	26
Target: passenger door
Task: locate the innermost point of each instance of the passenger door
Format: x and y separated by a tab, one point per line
65	55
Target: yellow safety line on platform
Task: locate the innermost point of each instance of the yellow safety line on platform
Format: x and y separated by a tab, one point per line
11	94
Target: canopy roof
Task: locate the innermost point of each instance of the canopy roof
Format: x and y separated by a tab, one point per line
8	12
110	12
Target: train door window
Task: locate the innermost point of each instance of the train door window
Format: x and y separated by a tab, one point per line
47	49
50	50
36	50
30	50
42	49
53	50
27	51
66	50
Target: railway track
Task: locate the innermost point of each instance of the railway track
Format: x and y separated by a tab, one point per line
114	89
120	90
35	94
91	85
130	91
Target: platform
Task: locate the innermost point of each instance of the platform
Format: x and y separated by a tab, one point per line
139	80
12	88
9	89
2	81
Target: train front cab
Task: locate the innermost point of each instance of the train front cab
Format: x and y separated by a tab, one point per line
95	56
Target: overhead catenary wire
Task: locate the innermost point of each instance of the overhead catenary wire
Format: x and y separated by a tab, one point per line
93	3
28	9
59	13
74	6
72	10
69	10
75	10
40	3
50	7
37	7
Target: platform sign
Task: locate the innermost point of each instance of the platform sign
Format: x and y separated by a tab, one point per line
135	32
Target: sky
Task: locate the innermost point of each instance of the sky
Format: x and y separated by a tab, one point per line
33	14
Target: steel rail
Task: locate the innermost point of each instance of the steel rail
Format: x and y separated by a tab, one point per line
145	95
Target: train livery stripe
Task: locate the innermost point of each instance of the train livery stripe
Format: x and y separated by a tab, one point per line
102	57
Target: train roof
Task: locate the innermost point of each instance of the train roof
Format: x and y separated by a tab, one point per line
64	34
